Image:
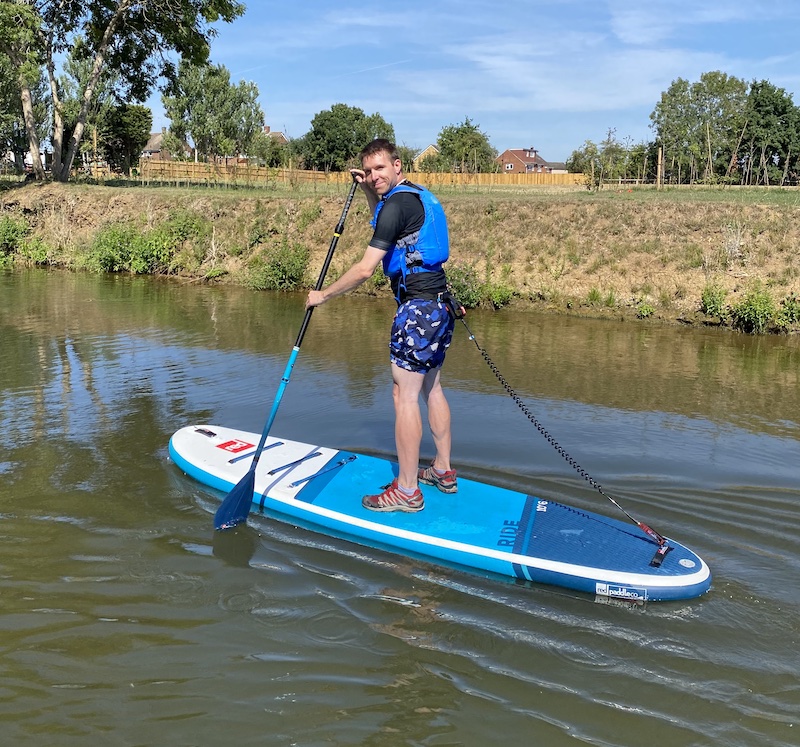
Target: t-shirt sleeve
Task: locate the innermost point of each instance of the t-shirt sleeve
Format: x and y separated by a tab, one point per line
402	214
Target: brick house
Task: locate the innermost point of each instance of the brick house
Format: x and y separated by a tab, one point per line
527	161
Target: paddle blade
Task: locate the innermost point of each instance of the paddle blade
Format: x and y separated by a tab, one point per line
236	506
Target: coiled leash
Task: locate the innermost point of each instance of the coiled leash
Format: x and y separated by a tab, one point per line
457	311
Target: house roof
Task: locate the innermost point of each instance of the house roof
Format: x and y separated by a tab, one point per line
524	156
427	148
155	144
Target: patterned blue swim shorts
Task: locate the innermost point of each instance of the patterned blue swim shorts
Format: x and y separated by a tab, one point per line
421	333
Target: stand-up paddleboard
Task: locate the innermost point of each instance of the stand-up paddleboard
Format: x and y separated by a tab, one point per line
481	527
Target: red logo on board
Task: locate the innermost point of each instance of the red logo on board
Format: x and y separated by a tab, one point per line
235	446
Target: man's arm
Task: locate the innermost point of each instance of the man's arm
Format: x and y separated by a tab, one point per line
355	276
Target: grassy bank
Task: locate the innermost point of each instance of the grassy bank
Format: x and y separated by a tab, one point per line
705	256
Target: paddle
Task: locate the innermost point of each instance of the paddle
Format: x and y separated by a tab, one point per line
236	506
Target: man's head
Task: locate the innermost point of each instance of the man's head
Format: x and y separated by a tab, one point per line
382	166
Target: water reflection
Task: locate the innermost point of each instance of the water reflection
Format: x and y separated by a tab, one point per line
125	614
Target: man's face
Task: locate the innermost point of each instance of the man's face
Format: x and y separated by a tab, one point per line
382	174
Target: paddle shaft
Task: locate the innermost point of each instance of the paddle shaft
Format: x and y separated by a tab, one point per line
236	506
287	373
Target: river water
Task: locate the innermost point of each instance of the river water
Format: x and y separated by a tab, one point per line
126	620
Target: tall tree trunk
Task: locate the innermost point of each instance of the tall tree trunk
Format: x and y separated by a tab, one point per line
57	137
30	128
16	55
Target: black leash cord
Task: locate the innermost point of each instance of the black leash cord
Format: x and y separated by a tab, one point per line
661	541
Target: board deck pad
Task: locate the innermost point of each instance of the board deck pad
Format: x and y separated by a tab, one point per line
481	527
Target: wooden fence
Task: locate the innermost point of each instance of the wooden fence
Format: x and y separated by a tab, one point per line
185	172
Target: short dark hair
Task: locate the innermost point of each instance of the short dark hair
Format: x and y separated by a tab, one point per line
380	145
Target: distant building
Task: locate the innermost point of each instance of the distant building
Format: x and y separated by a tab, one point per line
155	149
528	161
431	150
278	137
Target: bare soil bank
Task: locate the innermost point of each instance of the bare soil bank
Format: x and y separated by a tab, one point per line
616	253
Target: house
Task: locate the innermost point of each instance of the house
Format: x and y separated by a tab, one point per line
155	149
278	137
527	161
431	150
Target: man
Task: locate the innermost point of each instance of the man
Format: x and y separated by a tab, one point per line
410	239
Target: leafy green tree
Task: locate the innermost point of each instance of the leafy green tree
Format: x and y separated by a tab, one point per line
612	160
433	164
699	125
130	38
770	142
221	119
269	151
18	47
77	70
406	154
337	136
585	160
123	132
463	147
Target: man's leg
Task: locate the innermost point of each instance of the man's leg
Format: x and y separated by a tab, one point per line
438	418
408	423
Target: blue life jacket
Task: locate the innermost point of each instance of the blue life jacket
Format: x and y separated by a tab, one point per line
422	251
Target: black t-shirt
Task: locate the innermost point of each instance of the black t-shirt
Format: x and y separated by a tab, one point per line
401	215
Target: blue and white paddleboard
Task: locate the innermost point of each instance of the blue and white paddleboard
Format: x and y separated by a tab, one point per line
481	527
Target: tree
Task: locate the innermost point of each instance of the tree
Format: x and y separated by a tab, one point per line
129	37
465	148
699	125
18	46
123	132
13	138
770	141
337	136
406	154
269	151
77	70
219	118
612	159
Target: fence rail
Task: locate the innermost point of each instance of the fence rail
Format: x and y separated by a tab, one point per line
245	174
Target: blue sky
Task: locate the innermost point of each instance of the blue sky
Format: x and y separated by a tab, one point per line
544	73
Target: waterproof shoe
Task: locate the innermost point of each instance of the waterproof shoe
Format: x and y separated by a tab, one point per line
394	499
445	481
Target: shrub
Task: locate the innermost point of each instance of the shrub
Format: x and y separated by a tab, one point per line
712	301
12	232
281	267
755	312
498	294
789	312
36	251
122	247
644	310
110	251
465	284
